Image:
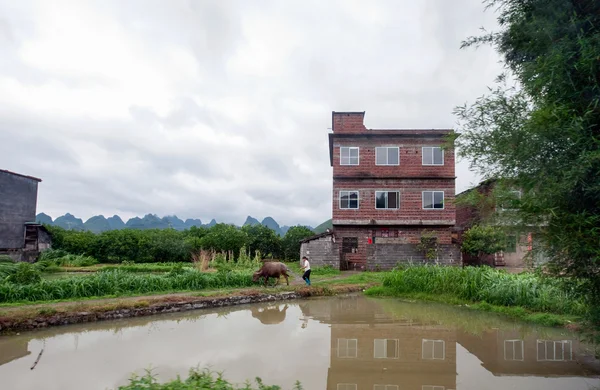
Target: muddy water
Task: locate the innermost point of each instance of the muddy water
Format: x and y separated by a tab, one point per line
342	343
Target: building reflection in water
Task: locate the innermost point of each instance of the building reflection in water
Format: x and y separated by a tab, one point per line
373	350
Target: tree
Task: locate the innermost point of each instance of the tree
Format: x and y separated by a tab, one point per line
482	240
542	134
263	239
224	237
290	243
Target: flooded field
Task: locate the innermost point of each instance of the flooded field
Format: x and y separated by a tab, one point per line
340	343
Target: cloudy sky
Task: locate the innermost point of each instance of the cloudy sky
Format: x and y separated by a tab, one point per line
220	109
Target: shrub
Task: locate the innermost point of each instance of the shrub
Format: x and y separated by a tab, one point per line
25	273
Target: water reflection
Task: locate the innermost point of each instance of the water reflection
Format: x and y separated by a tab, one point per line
269	315
343	343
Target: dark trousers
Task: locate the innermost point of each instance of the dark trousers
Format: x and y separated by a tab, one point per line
306	276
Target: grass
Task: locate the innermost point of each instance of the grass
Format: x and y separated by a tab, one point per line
196	379
319	271
117	283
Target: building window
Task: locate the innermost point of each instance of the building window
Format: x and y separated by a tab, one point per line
429	387
387	199
347	386
433	200
347	348
349	155
385	387
434	349
387	155
511	244
349	244
348	199
514	350
554	351
385	348
432	155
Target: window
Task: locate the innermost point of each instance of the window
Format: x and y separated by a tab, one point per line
347	386
509	201
434	349
347	348
511	244
349	244
549	350
433	200
385	349
387	155
385	387
349	155
387	200
514	350
432	155
429	387
348	199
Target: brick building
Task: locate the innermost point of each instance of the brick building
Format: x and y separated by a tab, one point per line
521	243
389	188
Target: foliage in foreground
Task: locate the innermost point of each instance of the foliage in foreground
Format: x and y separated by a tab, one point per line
114	282
483	240
542	136
197	380
485	284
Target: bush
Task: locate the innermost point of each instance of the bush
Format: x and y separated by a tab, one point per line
25	273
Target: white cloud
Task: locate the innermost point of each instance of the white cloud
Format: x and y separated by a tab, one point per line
220	109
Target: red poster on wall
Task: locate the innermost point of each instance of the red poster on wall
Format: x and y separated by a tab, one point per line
370	241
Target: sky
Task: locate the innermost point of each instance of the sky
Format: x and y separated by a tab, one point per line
221	109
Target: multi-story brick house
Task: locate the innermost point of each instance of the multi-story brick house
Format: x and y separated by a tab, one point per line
389	188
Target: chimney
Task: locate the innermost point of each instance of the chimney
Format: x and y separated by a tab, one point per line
348	122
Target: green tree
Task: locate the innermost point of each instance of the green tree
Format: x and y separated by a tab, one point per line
483	240
290	243
542	134
224	237
263	239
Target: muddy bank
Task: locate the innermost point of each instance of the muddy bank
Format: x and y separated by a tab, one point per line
49	316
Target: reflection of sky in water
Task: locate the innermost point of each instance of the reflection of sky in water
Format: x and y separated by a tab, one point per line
99	357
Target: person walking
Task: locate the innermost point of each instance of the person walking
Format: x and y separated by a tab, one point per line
306	268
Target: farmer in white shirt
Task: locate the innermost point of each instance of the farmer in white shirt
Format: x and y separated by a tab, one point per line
306	268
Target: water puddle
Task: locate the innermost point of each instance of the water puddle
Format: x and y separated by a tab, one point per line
340	343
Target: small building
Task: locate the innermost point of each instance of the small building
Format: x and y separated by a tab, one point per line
393	190
521	244
21	237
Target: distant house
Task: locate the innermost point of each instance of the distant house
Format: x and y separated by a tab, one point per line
389	188
21	237
519	244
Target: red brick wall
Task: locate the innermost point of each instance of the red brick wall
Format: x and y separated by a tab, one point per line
349	122
411	158
411	206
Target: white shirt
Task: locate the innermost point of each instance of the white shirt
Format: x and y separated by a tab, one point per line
306	265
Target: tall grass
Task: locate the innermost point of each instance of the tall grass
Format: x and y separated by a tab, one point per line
490	285
117	283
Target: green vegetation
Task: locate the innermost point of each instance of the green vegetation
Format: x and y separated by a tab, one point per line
203	380
117	283
541	136
170	245
489	285
324	226
483	240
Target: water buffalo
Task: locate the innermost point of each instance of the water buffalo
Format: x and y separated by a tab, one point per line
272	270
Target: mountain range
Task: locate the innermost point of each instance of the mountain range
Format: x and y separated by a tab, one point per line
99	223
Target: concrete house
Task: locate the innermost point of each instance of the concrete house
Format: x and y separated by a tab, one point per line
390	188
21	237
